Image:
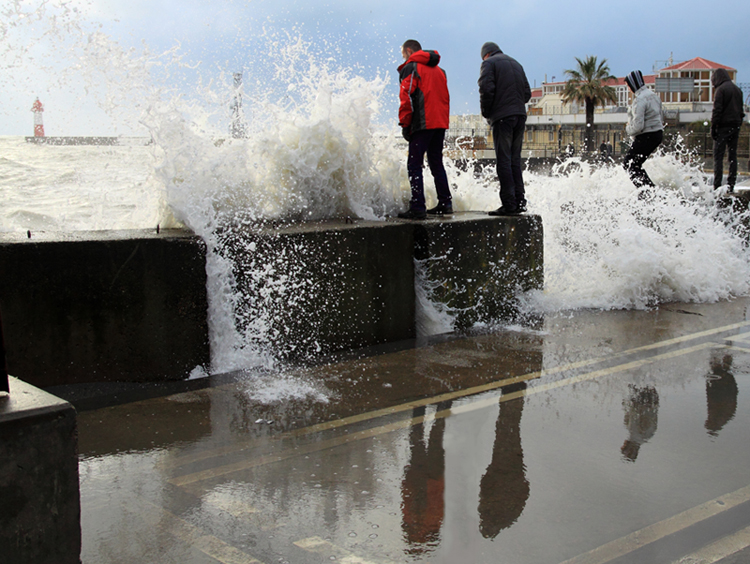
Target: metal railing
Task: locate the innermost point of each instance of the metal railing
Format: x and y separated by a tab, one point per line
701	144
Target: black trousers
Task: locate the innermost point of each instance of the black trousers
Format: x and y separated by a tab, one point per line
508	136
726	139
428	141
641	149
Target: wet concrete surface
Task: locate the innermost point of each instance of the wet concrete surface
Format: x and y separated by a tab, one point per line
595	437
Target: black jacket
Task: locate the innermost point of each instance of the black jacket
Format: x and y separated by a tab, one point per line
727	102
503	87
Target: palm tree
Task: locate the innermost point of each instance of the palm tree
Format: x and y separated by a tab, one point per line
587	83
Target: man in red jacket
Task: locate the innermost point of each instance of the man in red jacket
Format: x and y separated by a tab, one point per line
424	116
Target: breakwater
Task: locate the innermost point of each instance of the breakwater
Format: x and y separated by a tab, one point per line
132	305
73	140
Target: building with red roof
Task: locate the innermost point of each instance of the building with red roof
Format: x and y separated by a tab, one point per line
701	71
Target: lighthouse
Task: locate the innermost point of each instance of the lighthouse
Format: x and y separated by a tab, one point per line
37	108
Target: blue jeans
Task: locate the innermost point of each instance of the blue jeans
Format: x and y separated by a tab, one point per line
726	138
508	135
428	141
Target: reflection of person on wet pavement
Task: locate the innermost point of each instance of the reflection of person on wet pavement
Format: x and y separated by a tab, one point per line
641	416
721	395
504	489
423	487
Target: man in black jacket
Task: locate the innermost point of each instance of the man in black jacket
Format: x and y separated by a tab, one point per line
503	93
726	121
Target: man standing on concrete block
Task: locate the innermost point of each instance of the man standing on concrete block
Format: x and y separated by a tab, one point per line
503	93
424	115
726	121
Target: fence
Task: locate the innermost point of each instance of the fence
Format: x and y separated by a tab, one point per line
701	144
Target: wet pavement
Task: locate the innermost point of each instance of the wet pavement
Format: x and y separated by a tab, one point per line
596	437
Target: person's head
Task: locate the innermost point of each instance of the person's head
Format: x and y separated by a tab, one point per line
635	80
719	76
410	47
489	49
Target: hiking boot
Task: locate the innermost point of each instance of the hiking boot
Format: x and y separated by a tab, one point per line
504	211
413	214
441	209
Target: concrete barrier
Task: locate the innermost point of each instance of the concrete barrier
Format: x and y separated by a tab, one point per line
476	264
103	306
324	286
132	306
39	493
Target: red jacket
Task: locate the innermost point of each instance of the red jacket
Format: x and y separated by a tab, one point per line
425	102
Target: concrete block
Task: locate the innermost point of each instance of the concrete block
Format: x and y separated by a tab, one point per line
39	493
132	306
103	306
476	264
325	286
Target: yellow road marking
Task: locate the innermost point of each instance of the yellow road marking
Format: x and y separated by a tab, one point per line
741	337
359	418
719	550
319	546
736	348
216	472
196	537
652	533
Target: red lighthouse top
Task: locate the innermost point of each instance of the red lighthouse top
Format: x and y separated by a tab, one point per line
37	106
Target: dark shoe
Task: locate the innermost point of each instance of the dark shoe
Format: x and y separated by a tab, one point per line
441	209
522	207
413	214
504	211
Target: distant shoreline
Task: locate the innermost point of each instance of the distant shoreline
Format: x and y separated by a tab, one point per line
94	140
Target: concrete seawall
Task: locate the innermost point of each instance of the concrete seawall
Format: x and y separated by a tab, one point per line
477	264
103	306
132	306
325	286
40	516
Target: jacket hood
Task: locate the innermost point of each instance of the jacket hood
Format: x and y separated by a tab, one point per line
635	80
720	76
489	48
429	58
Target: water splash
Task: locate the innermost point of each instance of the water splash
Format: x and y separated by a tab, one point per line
316	147
608	246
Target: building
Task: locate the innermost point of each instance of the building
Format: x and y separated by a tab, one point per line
700	71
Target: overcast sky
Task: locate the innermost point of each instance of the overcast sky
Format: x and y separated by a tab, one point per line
545	36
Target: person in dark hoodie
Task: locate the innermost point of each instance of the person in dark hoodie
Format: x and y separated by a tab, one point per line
645	125
424	115
503	93
726	121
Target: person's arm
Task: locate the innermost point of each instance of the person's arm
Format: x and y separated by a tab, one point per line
718	111
636	118
486	84
409	84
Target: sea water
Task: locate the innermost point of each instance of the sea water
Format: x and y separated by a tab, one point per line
322	143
